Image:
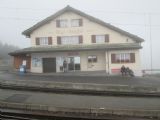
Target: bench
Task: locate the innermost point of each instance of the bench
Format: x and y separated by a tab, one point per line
116	70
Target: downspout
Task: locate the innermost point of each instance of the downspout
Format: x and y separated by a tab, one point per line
108	62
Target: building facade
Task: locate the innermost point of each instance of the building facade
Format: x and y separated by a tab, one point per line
85	42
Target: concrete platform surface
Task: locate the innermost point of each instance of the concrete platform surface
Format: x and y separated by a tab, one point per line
79	101
99	79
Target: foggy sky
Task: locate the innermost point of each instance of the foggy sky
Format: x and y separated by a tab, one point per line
133	16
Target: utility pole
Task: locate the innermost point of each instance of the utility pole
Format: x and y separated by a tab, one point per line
150	37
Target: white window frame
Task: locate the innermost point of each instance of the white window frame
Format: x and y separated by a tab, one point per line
70	40
43	40
63	23
123	57
92	59
100	38
75	23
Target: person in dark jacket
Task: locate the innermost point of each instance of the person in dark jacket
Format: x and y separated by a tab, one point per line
123	70
129	72
65	66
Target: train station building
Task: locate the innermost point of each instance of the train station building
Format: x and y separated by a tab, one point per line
85	42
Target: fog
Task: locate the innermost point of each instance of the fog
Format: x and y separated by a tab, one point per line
139	17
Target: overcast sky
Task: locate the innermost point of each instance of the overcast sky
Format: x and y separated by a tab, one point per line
140	17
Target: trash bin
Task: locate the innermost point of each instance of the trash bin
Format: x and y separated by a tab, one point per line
22	69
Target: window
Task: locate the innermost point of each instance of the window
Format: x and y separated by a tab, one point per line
75	23
43	40
123	58
36	62
100	39
92	59
62	23
70	40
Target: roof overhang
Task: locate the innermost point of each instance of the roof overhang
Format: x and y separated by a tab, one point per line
66	48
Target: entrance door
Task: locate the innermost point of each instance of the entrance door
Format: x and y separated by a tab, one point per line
74	63
49	65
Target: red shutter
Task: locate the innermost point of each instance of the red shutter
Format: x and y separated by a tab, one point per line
80	39
106	38
37	41
49	40
58	40
113	58
80	22
132	55
93	39
57	23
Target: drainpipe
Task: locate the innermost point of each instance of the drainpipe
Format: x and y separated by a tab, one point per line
108	61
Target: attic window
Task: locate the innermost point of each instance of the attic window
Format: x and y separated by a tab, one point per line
62	23
76	22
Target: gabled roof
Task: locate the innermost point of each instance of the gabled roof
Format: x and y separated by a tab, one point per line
66	48
91	18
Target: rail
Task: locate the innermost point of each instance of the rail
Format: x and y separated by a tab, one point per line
96	112
150	71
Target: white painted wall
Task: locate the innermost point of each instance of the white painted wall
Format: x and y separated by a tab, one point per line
85	66
89	28
136	67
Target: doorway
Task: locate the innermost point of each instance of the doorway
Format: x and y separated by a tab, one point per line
49	65
74	63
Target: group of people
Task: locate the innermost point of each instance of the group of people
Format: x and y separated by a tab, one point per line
126	71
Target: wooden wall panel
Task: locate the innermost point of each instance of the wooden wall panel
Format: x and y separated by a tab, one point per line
19	59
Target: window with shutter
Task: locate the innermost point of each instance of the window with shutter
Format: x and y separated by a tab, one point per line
100	38
75	23
63	23
123	58
43	40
